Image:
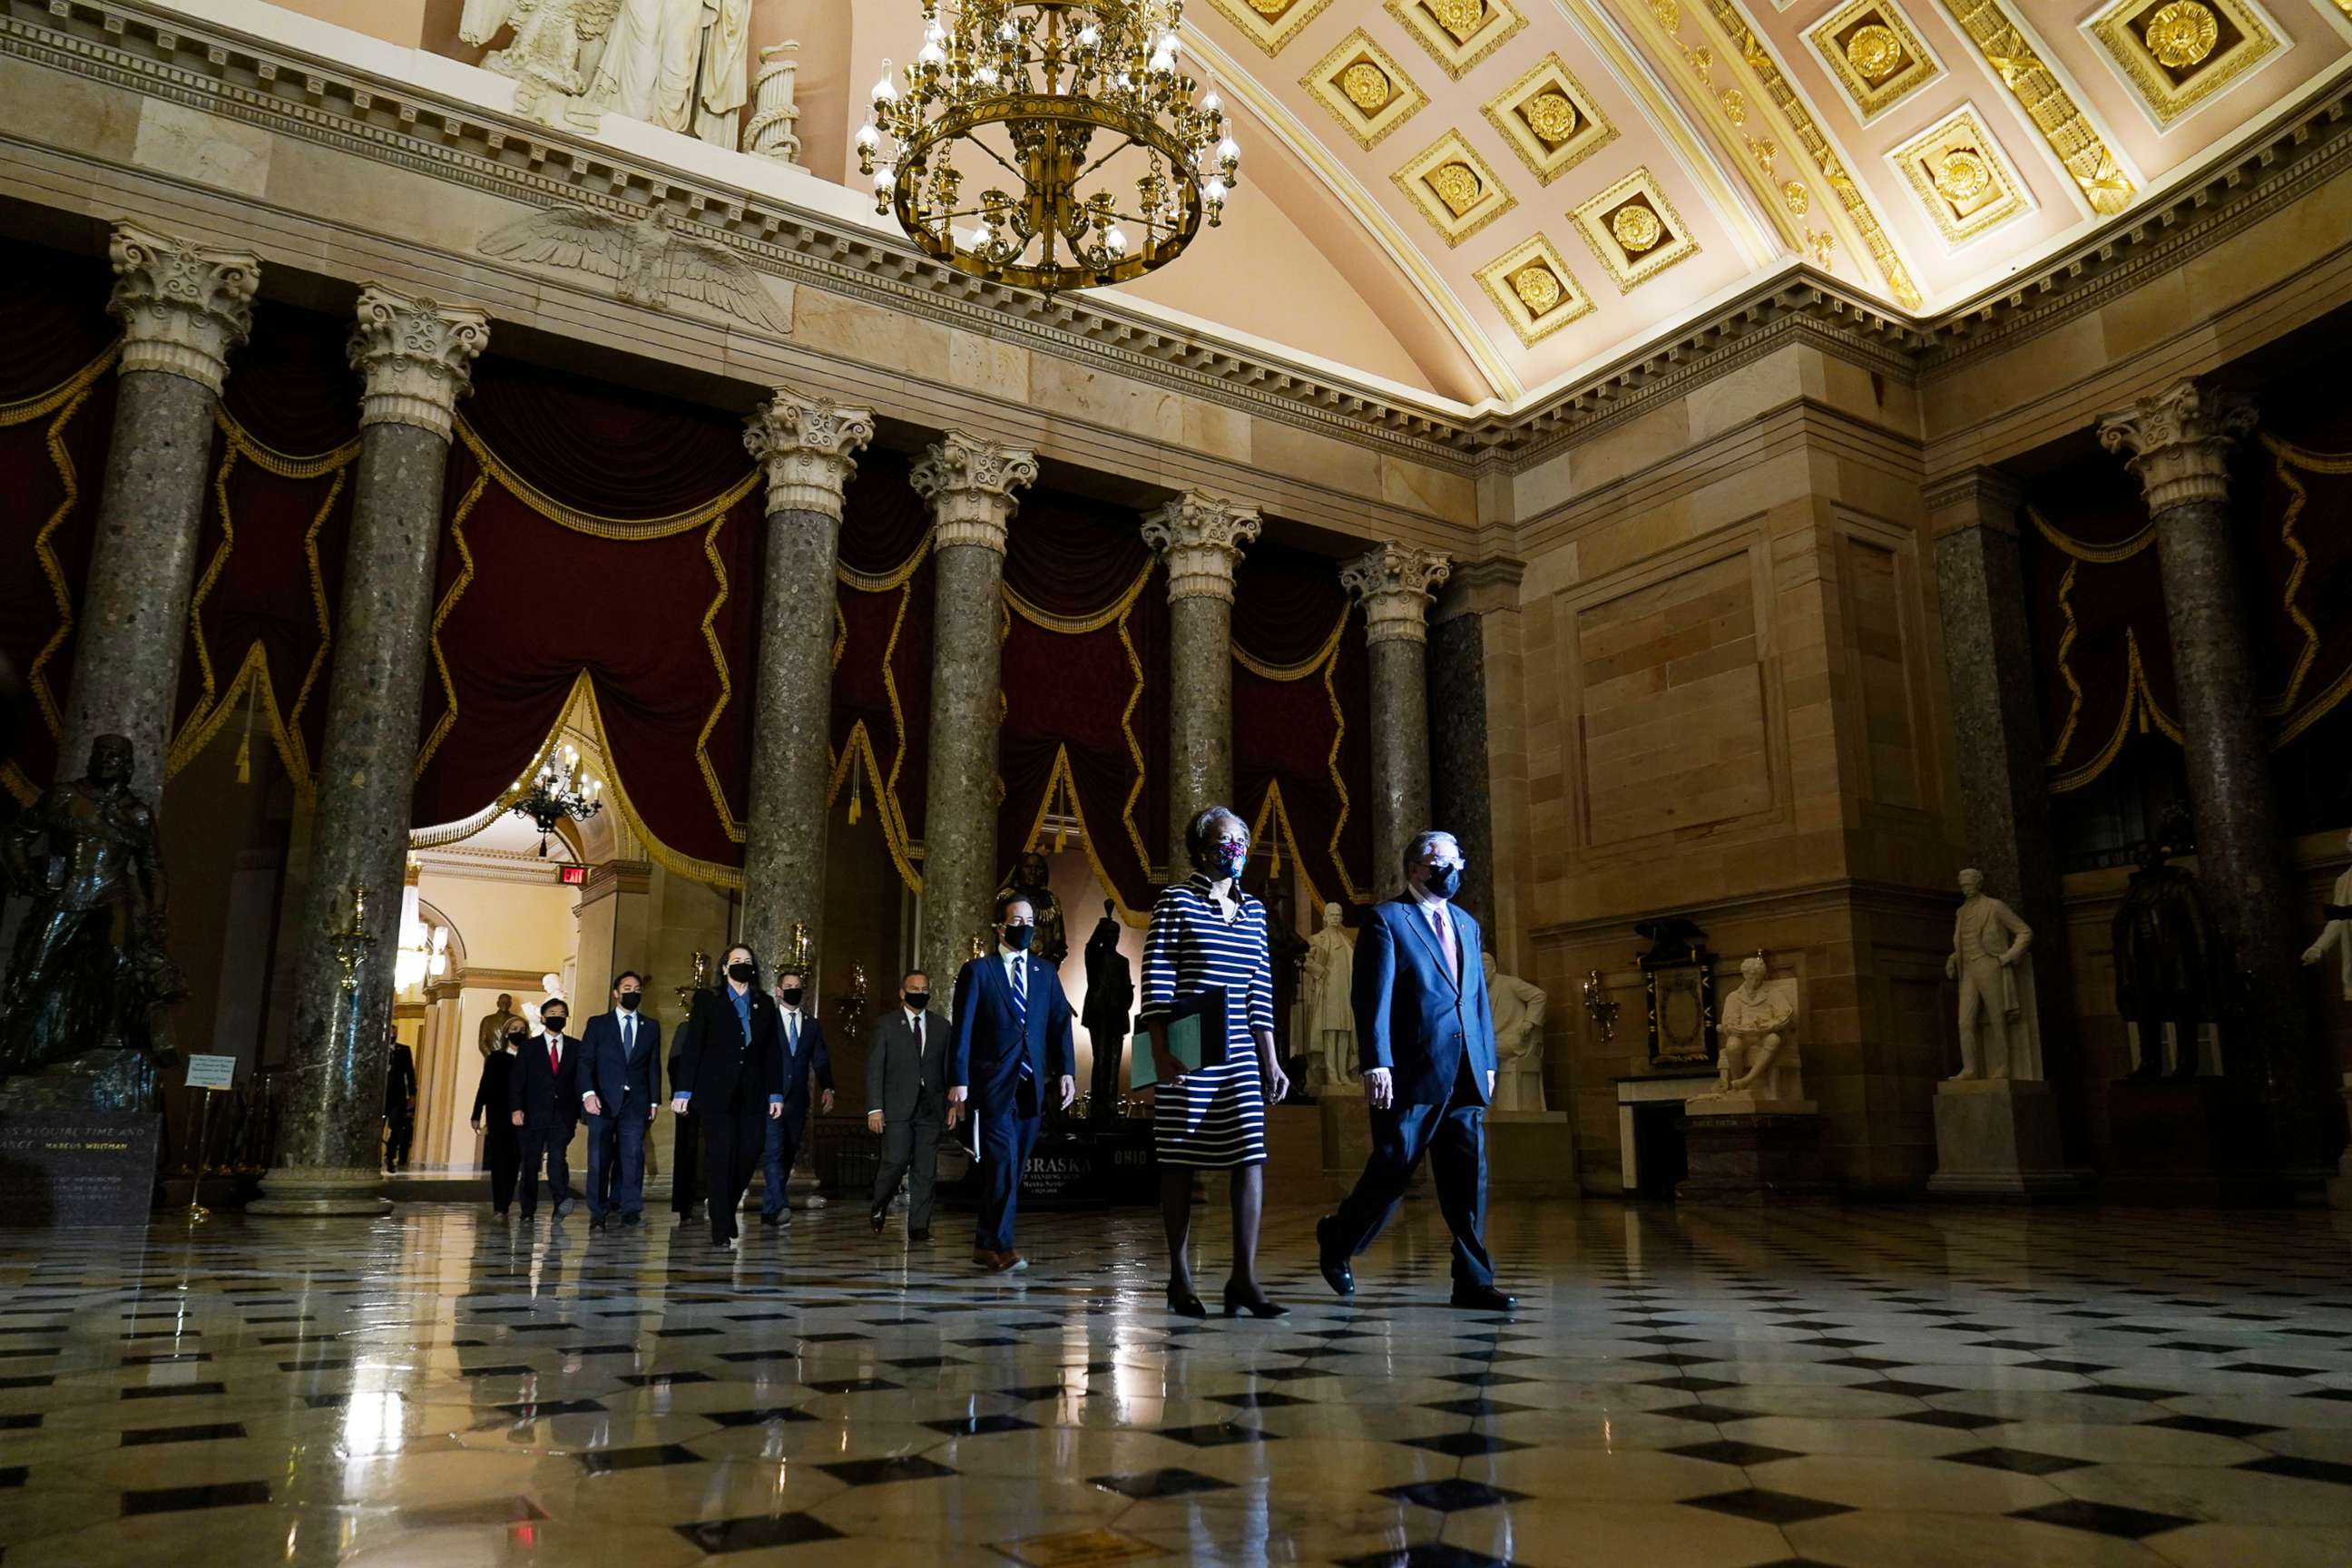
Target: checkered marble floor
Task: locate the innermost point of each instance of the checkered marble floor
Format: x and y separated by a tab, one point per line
1918	1386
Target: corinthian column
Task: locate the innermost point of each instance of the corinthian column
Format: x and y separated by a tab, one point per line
1201	537
416	357
2180	444
1393	585
183	308
973	490
809	450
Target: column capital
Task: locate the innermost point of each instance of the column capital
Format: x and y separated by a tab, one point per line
1393	581
415	356
183	307
2179	440
1973	498
973	488
1202	535
810	450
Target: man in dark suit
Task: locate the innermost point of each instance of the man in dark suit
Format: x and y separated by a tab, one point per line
731	1078
803	1040
399	1105
906	1100
621	1092
545	1092
1425	1034
1011	1038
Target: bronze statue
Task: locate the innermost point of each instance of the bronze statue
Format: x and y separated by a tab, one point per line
1110	1008
2164	951
1031	880
490	1037
91	981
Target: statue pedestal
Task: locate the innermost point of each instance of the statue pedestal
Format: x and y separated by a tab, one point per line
2195	1142
1743	1149
1997	1138
1531	1154
2339	1189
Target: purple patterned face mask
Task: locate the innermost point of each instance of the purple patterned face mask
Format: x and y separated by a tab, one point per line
1229	858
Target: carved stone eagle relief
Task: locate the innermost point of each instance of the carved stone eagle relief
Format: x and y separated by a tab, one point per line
651	258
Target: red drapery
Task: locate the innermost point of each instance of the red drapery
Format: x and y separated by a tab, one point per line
882	656
611	545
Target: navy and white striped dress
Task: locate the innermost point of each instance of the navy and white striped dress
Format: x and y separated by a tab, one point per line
1216	1116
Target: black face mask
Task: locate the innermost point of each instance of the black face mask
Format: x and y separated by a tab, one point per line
790	994
917	1000
746	973
628	1001
1018	938
1442	881
554	1021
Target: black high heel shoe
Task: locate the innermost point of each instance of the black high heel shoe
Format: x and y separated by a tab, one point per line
1185	1303
1256	1305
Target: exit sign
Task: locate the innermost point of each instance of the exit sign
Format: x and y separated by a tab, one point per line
575	876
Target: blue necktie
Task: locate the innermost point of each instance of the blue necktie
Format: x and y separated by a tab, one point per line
1021	995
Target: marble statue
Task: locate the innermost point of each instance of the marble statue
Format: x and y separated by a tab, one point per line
490	1038
91	981
2336	935
1756	1053
677	64
1518	1007
1110	1011
1034	882
555	44
1330	1007
2164	952
773	130
1999	1036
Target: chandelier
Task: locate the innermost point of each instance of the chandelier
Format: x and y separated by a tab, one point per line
1061	106
563	791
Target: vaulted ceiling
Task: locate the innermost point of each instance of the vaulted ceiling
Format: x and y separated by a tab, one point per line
1485	198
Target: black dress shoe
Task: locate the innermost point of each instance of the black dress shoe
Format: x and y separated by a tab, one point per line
1484	1298
1338	1272
1185	1303
1255	1304
596	1225
922	1234
633	1217
875	1219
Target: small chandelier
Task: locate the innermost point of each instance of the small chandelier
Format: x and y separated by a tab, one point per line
1062	105
563	791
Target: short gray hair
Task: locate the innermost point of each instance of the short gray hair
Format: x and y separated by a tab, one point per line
1423	841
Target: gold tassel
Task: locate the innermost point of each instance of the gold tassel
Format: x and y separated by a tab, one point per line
1061	826
245	741
856	797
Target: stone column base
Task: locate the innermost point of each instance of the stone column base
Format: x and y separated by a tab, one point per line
1743	1150
1997	1138
321	1192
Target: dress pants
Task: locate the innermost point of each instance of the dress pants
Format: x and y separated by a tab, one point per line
1454	1137
910	1150
1007	1133
400	1134
780	1147
732	1137
685	1163
502	1149
553	1139
616	1164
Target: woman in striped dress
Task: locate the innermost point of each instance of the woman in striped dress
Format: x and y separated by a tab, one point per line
1207	936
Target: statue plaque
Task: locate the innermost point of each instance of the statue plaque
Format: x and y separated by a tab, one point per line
77	1167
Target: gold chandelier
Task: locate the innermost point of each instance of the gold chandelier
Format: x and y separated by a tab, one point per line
1060	104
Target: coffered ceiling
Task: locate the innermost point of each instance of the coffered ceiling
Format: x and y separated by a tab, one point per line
1548	183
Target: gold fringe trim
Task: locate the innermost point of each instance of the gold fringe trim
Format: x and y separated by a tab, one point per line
1060	777
1309	666
589	522
590	722
252	683
2067	668
2102	554
859	745
1276	812
1338	783
12	780
883	582
65	400
726	683
2139	709
1079	625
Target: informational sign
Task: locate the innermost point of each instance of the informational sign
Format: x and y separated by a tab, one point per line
212	1072
63	1167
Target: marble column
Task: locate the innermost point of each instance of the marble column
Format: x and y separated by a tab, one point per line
415	357
2179	442
184	308
974	489
809	450
1477	766
1201	538
1393	584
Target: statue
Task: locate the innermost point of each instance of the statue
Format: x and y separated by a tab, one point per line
1519	1009
1754	1054
1999	1036
489	1037
554	43
91	981
1032	882
772	132
2336	933
1109	1011
1330	1007
2164	949
676	64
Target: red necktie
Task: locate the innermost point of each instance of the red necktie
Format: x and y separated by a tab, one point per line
554	1056
1446	942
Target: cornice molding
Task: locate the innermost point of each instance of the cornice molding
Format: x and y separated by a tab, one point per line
166	55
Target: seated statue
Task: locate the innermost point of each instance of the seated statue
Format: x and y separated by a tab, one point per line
92	979
1755	1054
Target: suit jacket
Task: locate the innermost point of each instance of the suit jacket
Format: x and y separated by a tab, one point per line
812	1056
399	1082
717	1066
1411	1017
546	1096
494	1097
622	1080
987	1047
897	1084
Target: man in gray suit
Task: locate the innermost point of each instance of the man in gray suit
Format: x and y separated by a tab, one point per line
906	1100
